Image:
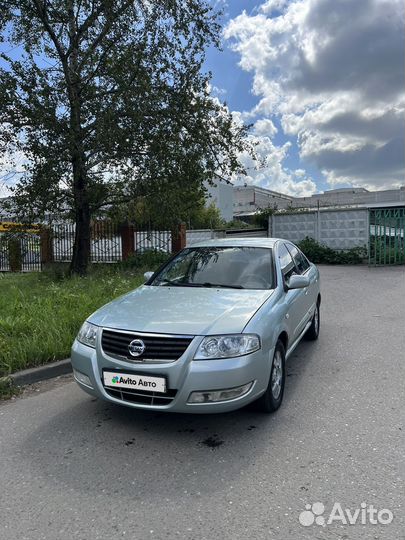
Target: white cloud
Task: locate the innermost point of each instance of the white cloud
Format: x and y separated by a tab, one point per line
333	72
265	127
269	170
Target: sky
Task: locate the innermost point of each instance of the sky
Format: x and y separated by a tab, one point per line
322	82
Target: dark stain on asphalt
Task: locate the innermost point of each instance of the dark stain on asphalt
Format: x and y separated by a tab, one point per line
131	441
68	451
251	427
212	442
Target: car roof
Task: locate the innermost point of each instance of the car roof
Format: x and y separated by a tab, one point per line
237	242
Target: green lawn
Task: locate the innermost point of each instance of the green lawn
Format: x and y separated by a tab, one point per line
40	315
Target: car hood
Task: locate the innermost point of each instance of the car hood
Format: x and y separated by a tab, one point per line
182	310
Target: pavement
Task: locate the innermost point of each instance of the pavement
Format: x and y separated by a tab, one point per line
74	467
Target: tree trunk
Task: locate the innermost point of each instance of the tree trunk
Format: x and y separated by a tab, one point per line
81	248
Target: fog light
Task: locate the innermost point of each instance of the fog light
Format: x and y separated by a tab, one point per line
82	378
219	395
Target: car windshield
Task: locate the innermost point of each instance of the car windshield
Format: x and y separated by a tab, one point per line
226	267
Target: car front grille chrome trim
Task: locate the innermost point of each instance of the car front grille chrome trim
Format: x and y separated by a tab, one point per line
159	348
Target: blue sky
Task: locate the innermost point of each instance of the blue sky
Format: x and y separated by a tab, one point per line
327	78
323	83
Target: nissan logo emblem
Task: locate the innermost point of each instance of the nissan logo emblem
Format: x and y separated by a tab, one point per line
136	347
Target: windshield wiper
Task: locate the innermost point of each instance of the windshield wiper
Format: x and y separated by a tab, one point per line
168	282
219	286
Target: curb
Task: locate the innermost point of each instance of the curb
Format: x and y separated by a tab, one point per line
41	373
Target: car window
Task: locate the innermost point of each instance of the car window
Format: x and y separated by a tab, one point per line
301	262
232	267
286	262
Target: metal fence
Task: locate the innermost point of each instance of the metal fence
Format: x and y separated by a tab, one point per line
105	244
386	236
20	252
153	240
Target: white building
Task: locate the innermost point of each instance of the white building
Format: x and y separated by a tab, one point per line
222	195
249	199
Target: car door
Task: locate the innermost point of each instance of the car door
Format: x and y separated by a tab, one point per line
305	268
295	299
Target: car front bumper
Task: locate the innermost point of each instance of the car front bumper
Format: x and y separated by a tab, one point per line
183	377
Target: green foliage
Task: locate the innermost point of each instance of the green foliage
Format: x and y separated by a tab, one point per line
109	103
205	217
321	254
40	316
8	388
151	259
261	218
237	224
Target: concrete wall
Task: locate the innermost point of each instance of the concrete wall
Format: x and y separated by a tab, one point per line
338	229
197	235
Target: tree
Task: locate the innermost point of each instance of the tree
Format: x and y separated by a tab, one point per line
107	102
261	218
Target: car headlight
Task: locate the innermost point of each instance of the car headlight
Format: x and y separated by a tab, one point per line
227	346
88	334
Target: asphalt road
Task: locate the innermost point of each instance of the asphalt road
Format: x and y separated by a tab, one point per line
72	467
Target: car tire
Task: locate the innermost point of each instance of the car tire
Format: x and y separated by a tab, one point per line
313	331
271	400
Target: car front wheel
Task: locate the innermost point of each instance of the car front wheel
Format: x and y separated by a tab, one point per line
271	400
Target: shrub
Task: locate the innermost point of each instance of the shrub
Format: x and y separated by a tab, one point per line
7	388
150	259
319	253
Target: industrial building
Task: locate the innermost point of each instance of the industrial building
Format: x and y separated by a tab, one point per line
249	199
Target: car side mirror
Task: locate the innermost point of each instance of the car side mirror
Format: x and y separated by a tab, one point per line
147	276
298	282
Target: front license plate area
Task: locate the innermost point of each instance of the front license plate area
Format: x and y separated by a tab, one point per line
133	381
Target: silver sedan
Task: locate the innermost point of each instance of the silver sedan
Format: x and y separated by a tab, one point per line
208	332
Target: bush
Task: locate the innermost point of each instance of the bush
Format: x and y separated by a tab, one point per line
7	388
319	253
150	259
237	224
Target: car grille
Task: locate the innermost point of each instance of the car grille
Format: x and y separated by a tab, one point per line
158	347
141	397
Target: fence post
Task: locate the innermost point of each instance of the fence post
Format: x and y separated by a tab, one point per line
127	241
179	238
318	232
272	226
46	246
14	254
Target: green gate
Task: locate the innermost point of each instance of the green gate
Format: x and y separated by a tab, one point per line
386	236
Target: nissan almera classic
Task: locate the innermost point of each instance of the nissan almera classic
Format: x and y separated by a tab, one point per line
208	332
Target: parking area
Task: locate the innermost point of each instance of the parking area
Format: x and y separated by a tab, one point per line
74	467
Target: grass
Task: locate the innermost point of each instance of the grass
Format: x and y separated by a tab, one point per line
40	313
8	388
